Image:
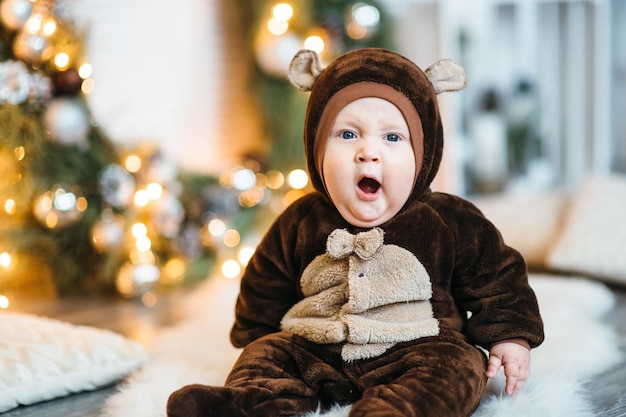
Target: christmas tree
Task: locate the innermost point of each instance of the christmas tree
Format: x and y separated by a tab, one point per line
79	214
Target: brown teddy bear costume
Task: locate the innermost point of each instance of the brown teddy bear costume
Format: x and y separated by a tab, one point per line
329	313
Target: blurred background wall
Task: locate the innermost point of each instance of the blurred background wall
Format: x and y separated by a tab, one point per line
543	107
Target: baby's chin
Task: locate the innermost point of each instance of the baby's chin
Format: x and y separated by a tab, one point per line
367	221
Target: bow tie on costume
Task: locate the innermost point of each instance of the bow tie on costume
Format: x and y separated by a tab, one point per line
365	245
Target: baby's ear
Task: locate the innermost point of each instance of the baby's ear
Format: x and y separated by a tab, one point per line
446	75
304	69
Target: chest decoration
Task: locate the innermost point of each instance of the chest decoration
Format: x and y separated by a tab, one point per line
363	294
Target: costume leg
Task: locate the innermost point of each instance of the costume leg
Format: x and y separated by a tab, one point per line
440	377
277	375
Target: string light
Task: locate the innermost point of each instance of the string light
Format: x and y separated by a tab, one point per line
5	260
4	302
85	70
139	230
232	238
216	227
154	190
10	206
231	268
61	60
132	163
245	254
142	198
315	43
282	11
298	179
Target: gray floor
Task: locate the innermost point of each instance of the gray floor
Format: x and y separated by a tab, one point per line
608	391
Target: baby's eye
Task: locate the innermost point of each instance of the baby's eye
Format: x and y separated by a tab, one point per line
392	137
346	134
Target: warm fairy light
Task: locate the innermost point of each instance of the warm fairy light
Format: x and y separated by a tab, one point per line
20	153
251	197
81	204
174	271
231	238
216	227
139	230
49	27
143	244
298	179
85	70
231	268
279	23
314	43
365	15
149	299
356	31
292	196
154	190
5	260
4	302
52	219
138	257
142	198
34	23
275	179
282	11
46	201
10	206
132	163
88	86
63	200
61	60
277	27
245	254
244	179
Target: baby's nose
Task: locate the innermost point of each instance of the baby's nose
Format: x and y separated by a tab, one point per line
368	152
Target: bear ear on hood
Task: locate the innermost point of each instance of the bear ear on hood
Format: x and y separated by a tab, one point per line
304	69
445	75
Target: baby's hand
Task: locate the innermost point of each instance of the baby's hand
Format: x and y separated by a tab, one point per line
514	356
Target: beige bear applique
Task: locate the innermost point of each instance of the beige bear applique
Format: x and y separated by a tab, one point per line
365	294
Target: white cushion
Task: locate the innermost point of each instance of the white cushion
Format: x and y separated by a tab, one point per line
528	223
42	358
593	239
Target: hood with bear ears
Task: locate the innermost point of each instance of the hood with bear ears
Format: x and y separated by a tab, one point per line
369	72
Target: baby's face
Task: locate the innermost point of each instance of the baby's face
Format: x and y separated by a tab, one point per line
369	164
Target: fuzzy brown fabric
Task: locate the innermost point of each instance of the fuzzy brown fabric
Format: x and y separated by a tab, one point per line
299	276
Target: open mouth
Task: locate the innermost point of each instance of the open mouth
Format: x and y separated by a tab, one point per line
369	185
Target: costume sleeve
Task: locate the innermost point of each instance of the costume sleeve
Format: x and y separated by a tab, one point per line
490	281
270	285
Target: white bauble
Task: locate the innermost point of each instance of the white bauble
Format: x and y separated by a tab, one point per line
15	13
67	122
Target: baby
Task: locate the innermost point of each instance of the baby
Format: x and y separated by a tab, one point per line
373	291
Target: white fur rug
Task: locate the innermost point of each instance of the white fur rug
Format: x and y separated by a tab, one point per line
578	346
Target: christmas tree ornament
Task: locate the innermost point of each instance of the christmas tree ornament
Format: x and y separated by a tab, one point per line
18	85
15	82
67	122
68	82
167	215
31	48
58	208
117	186
108	231
161	170
15	13
134	280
